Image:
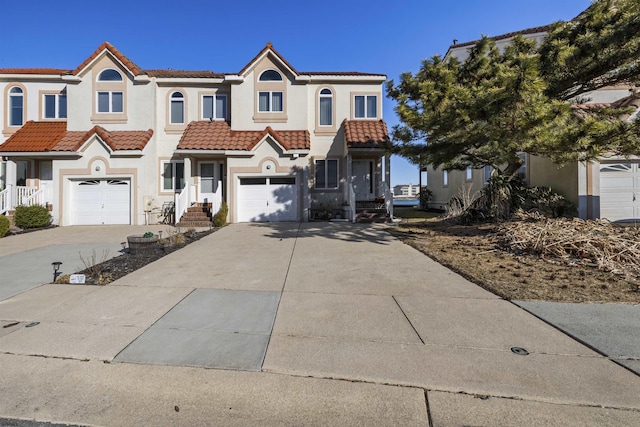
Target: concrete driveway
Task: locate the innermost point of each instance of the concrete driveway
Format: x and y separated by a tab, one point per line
313	323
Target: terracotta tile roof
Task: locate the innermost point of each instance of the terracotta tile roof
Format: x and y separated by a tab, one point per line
45	71
533	30
106	45
183	74
268	47
366	133
37	137
121	140
217	135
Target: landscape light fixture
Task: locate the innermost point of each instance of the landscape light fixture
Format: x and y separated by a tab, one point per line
160	233
56	266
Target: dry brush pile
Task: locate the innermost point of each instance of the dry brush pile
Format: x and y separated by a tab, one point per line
597	243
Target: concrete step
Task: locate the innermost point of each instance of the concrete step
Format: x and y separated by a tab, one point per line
194	224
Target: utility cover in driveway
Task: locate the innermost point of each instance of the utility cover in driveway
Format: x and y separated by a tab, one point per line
211	328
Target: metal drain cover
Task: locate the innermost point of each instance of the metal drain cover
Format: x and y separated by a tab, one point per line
519	351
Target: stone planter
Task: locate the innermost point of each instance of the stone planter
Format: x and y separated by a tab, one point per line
139	245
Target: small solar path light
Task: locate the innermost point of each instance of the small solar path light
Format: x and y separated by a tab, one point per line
56	266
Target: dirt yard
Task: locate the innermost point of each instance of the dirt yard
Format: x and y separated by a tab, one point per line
475	252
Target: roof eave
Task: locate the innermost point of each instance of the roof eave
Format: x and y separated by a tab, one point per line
189	80
44	154
127	153
352	78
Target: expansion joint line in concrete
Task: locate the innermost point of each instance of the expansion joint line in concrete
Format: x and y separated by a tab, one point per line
406	317
284	282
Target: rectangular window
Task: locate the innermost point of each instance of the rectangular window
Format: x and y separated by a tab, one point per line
270	102
326	116
172	176
16	110
55	106
445	178
110	102
177	111
522	172
365	106
214	107
326	174
468	174
487	173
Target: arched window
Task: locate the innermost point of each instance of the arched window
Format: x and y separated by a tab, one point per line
16	106
177	108
326	107
270	76
110	75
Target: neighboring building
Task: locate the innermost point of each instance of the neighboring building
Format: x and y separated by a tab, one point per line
608	189
111	143
406	190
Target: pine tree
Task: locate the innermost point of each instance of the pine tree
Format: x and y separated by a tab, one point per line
492	106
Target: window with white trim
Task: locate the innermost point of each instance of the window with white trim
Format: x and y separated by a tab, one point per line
107	100
522	172
176	111
110	102
16	106
110	75
468	174
326	174
365	106
325	107
445	178
270	76
270	102
172	175
487	173
55	105
214	107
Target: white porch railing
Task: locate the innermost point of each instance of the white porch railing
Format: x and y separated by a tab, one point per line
35	198
217	198
352	202
182	201
5	201
388	199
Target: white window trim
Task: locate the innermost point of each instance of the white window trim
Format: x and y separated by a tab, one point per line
320	97
271	92
269	81
109	81
56	114
173	175
215	107
110	92
20	95
180	100
366	107
326	173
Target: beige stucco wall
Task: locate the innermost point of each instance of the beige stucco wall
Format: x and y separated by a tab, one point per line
562	178
456	186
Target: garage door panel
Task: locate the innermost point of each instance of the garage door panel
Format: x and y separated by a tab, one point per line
267	199
103	201
620	191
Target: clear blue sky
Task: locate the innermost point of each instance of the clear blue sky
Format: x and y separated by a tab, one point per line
375	36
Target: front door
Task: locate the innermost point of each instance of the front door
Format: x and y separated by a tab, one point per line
207	182
362	179
46	181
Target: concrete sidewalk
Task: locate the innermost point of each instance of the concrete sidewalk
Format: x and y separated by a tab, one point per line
365	330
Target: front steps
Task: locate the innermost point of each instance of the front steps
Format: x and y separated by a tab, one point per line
198	215
371	211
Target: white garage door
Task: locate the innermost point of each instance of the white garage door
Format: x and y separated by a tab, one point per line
100	201
267	199
620	191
